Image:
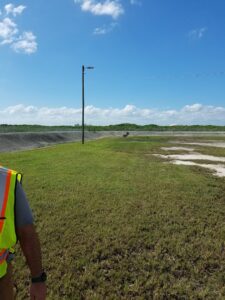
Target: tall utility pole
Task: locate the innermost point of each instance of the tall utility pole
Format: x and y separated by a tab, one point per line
83	72
83	68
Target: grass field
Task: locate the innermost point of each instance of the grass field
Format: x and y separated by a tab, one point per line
118	223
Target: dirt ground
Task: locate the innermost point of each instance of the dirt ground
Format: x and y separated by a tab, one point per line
193	156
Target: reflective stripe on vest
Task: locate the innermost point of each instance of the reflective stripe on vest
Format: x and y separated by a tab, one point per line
8	180
4	195
3	255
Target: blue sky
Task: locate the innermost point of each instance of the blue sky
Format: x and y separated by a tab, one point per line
156	61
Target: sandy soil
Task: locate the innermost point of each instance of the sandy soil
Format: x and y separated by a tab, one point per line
177	149
207	144
192	156
219	170
187	159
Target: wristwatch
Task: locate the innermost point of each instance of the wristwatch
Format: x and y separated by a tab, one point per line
41	278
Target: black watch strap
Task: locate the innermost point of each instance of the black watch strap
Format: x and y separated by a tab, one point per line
41	278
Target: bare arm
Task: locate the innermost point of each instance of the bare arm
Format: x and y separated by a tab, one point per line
30	245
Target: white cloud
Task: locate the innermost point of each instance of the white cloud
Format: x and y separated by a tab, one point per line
14	10
26	43
104	29
111	8
20	41
197	34
8	30
193	108
189	114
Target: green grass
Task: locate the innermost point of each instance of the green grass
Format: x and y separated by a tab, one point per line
116	223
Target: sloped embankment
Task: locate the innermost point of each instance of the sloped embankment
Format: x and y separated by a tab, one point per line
31	140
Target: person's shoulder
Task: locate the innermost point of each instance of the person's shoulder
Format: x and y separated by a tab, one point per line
22	208
19	186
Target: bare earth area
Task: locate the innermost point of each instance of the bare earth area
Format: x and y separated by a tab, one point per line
178	148
190	158
219	170
209	144
193	156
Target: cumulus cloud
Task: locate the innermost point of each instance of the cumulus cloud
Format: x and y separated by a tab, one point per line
193	108
197	34
26	43
19	41
8	31
189	114
14	10
111	8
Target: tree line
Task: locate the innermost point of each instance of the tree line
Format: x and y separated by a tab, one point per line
6	128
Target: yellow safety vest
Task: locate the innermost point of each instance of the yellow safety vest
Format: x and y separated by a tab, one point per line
8	238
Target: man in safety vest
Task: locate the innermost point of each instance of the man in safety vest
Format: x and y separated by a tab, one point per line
16	222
